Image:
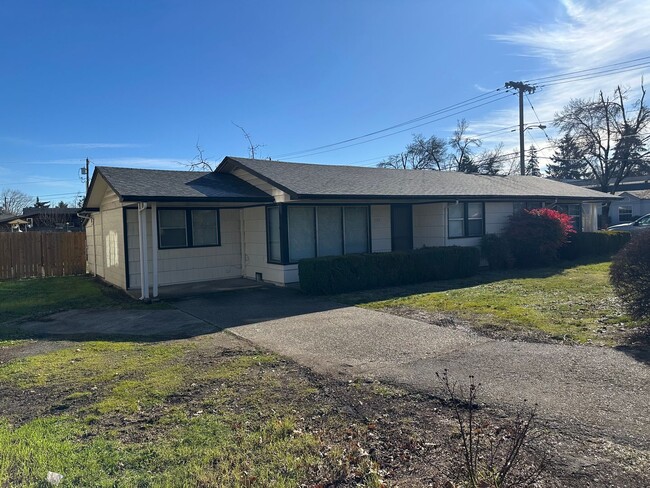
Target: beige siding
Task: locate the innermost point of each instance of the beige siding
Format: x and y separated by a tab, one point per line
380	228
429	225
255	256
105	241
188	265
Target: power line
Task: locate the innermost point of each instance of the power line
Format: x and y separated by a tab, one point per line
593	76
470	101
399	131
541	126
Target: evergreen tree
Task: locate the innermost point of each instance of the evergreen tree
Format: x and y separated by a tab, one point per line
568	161
532	166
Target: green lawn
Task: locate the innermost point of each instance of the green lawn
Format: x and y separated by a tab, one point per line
576	303
174	414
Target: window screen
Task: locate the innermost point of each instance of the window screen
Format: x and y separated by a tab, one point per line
356	229
625	213
474	219
456	220
330	231
173	228
302	233
205	228
273	233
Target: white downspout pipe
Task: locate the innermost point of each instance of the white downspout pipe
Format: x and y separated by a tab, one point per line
154	249
144	265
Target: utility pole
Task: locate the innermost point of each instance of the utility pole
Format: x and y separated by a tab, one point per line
86	171
521	87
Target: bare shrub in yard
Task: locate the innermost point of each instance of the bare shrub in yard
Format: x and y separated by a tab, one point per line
630	275
492	455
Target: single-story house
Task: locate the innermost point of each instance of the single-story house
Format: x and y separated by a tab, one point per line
633	204
257	218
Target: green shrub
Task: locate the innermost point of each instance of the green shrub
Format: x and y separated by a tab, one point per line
591	244
630	275
496	250
339	274
536	235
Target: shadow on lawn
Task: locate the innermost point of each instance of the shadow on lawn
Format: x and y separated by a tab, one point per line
182	318
639	344
485	276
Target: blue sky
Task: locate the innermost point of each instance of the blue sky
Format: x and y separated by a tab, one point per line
139	83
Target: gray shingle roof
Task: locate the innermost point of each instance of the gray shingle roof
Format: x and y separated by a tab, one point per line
640	194
316	180
164	185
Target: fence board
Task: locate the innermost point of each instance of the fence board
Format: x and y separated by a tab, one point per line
29	254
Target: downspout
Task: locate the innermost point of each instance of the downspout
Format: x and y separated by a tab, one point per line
154	249
142	236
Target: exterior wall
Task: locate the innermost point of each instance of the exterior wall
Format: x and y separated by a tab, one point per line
278	194
380	230
429	225
639	208
105	241
254	250
187	265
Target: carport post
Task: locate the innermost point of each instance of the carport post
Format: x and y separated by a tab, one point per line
144	265
154	249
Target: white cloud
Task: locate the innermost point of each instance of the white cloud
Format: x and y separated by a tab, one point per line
590	34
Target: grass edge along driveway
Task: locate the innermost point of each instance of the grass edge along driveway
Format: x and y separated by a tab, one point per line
575	304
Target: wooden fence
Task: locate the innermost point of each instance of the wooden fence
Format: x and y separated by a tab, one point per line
28	254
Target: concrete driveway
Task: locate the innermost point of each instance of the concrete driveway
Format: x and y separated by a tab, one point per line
600	392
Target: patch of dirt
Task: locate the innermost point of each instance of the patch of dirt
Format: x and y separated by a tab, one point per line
410	435
30	347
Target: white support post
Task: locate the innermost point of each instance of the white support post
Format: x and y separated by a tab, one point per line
154	249
144	265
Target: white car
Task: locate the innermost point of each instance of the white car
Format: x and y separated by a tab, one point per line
639	224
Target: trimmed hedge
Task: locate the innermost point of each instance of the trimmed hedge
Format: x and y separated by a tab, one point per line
352	272
592	244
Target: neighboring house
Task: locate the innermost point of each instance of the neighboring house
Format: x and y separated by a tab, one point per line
634	204
257	218
635	191
44	219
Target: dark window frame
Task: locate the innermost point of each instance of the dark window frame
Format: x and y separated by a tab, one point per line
284	229
466	220
188	228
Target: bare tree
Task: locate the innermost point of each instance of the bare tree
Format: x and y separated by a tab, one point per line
251	147
462	147
421	153
14	201
490	162
199	162
609	136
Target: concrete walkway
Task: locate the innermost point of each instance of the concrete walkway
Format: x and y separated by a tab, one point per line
595	391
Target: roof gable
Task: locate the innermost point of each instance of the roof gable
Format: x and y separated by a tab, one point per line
163	185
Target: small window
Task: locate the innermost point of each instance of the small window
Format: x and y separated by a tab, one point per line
205	228
172	226
465	220
625	213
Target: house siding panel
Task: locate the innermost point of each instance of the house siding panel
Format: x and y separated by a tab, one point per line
429	225
187	265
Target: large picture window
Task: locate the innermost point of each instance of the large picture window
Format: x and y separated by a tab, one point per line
188	228
312	231
465	219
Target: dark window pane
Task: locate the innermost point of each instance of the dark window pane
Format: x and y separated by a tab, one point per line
273	227
330	231
204	228
356	229
172	228
302	233
475	228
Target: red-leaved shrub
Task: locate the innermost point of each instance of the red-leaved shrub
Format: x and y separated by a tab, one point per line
536	235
